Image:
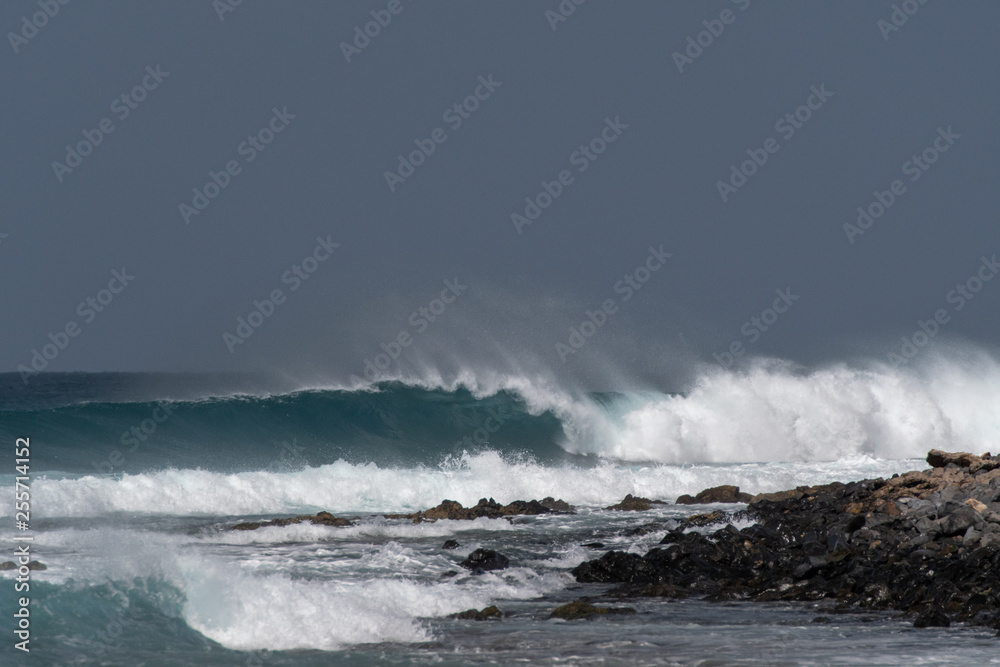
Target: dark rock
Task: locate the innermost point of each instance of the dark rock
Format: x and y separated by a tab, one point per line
450	544
716	494
939	459
925	542
594	545
487	508
449	573
321	519
485	559
635	504
554	505
580	609
478	615
32	565
932	618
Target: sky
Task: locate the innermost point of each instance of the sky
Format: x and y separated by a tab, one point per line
598	189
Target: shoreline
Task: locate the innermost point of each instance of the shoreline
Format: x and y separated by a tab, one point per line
922	542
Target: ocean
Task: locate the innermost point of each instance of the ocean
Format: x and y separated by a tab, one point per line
136	478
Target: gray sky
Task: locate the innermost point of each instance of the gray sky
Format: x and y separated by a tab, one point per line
609	67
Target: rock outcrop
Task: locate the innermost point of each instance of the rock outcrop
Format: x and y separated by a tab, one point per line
485	559
635	504
716	494
321	519
925	542
490	509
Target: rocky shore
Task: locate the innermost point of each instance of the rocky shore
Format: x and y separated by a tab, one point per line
926	543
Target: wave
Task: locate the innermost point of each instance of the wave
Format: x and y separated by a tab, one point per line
344	487
770	410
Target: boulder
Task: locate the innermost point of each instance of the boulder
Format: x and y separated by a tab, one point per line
716	494
934	617
485	559
450	544
581	609
635	504
491	612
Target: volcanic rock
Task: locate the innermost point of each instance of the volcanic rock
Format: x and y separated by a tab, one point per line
485	559
635	504
926	543
716	494
486	614
321	519
490	509
581	609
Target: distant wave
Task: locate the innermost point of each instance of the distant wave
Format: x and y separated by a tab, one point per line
768	411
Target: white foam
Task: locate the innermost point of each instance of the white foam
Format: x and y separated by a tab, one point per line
344	488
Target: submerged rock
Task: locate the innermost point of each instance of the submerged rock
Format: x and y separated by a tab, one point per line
635	504
321	519
716	494
581	609
450	544
485	559
491	612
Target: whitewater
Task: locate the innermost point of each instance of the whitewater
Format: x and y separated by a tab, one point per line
136	480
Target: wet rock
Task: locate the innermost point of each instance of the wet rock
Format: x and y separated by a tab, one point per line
716	494
581	609
491	612
485	559
320	519
32	565
487	508
932	618
554	505
593	545
450	544
635	504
